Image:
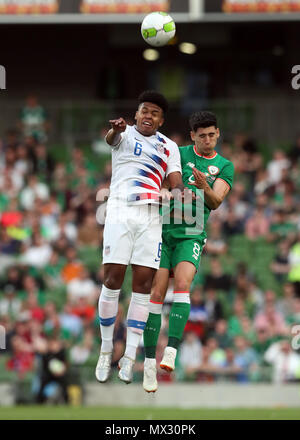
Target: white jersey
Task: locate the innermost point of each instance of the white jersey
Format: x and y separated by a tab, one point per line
140	164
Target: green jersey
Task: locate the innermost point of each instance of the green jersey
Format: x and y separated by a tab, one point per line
215	167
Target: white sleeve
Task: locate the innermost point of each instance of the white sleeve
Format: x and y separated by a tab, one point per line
123	136
174	162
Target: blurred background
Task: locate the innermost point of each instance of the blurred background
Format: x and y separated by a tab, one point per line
70	67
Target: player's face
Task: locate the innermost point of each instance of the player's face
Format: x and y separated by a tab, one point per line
149	118
205	139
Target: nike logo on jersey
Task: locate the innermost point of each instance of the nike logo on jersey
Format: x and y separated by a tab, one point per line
156	260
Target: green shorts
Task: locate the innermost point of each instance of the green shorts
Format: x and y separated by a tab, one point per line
176	251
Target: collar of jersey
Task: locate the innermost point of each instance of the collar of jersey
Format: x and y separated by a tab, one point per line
205	157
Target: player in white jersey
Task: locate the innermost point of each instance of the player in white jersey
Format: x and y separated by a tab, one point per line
141	158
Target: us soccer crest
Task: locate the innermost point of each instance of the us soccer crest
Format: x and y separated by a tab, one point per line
213	170
160	148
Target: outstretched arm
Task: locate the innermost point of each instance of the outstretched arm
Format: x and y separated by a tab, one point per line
118	126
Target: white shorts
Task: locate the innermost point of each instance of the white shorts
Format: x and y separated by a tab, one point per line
134	236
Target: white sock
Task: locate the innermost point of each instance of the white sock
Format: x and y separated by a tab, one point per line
150	362
155	307
108	309
137	317
181	297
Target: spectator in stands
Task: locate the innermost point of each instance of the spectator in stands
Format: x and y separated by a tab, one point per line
90	233
245	358
31	305
38	253
34	189
257	225
10	304
80	352
52	271
190	355
84	310
280	265
33	119
238	204
242	280
65	226
294	317
11	139
272	320
285	362
221	334
294	261
278	163
286	302
217	354
13	279
248	330
232	224
32	286
262	183
22	358
255	296
234	323
213	308
83	286
217	279
9	247
262	342
73	266
24	162
43	164
61	246
198	315
70	322
54	368
281	227
215	244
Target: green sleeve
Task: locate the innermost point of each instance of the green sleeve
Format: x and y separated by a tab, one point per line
227	173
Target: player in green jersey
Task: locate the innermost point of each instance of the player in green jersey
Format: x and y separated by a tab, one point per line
202	169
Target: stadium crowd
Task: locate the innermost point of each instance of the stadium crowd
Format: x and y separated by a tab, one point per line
245	298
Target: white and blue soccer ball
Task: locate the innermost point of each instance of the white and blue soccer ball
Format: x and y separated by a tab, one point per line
158	28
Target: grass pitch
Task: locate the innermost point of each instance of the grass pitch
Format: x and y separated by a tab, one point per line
140	413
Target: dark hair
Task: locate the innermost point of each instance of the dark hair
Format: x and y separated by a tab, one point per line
154	97
202	119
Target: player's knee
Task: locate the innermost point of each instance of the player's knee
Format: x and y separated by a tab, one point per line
112	281
181	286
157	295
144	287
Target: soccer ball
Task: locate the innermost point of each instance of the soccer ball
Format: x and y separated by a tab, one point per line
57	367
158	28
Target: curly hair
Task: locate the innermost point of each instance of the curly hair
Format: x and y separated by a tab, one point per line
155	98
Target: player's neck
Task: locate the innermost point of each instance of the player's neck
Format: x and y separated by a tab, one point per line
207	154
145	135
